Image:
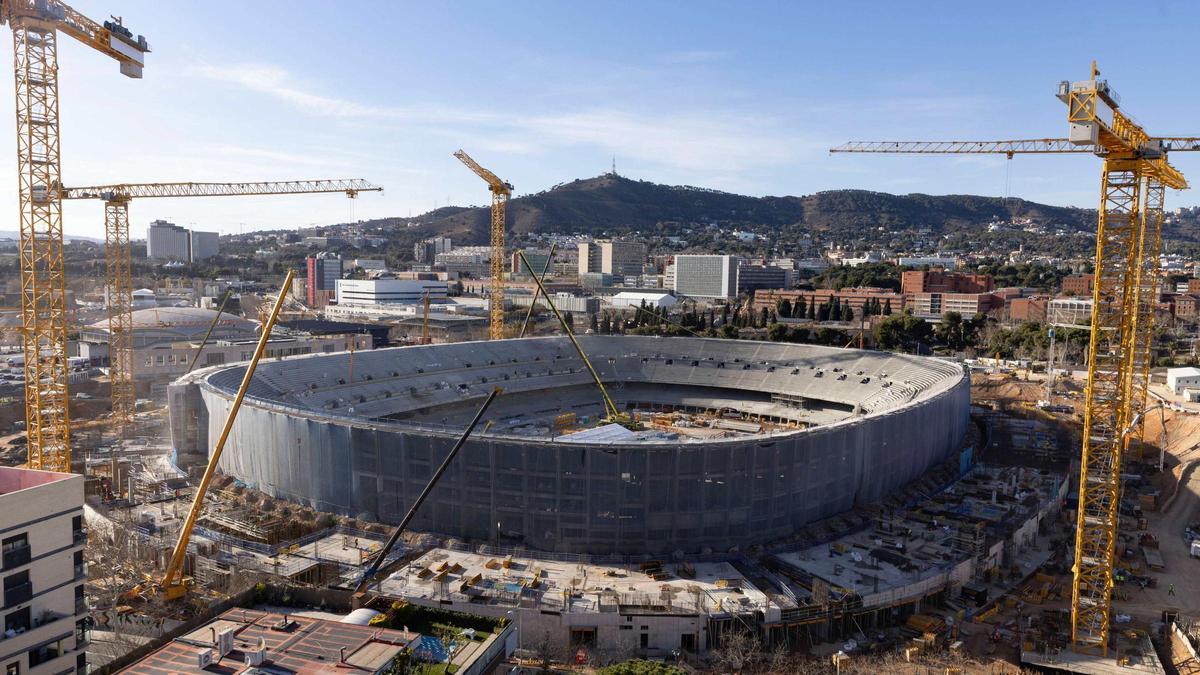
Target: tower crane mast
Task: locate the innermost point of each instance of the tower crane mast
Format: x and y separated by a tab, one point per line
1134	179
501	191
118	281
36	25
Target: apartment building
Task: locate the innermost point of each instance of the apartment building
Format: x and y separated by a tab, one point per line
42	536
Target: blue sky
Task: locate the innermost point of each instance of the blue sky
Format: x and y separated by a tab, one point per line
745	97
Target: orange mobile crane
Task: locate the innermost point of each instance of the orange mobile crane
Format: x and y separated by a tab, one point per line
118	282
36	25
1135	176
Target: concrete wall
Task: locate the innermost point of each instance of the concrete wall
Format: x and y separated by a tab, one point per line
647	498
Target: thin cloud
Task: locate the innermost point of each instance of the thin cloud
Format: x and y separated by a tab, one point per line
726	140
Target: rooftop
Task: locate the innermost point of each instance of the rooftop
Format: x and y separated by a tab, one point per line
290	643
13	479
652	586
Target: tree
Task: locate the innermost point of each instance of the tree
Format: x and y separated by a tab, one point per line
776	332
887	307
765	316
812	310
724	314
784	308
847	312
729	331
595	324
902	332
823	312
799	311
606	326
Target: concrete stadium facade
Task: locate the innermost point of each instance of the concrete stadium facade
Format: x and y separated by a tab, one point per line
360	435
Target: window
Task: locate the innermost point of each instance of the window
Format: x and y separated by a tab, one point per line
16	551
18	620
13	668
40	655
17	588
80	602
78	533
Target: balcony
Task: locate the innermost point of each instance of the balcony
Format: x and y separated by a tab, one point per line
15	557
18	594
81	572
81	606
79	537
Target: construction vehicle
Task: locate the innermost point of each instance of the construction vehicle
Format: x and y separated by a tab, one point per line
118	283
36	25
173	585
501	191
369	574
612	414
1134	179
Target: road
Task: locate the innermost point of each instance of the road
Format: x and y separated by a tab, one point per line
1182	570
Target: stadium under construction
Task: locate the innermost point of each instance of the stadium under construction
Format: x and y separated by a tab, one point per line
742	443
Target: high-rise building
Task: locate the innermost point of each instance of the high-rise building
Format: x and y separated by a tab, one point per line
619	257
203	245
589	257
167	241
537	259
46	622
706	276
324	270
425	251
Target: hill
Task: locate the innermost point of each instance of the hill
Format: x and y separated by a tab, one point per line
610	203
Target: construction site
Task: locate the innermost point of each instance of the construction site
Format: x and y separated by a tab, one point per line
305	501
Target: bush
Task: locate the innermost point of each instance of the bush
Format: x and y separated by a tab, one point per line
640	667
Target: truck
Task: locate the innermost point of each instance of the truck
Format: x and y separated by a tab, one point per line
1195	548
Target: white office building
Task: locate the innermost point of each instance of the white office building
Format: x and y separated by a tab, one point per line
706	276
167	241
1181	379
389	291
42	534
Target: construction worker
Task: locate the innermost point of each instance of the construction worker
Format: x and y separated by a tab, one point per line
1171	589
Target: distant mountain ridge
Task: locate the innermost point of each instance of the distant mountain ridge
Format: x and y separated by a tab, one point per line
609	202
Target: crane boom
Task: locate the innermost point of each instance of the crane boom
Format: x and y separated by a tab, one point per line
118	282
36	25
501	191
1032	146
350	186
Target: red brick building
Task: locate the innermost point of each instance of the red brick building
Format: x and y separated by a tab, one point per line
1027	309
857	298
1078	284
941	281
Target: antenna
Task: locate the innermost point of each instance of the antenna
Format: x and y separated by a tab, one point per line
614	166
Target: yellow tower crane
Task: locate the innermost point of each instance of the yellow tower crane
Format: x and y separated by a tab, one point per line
118	282
1134	179
36	25
501	191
